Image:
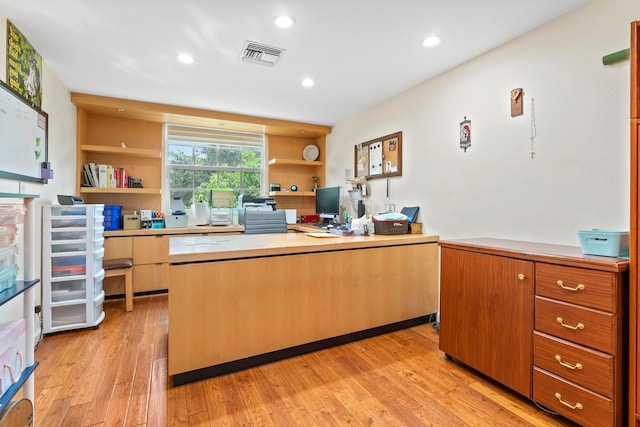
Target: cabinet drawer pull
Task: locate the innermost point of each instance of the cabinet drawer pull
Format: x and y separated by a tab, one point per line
567	404
568	365
521	276
580	287
578	326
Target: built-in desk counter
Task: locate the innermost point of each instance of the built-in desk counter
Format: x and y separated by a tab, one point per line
236	301
149	251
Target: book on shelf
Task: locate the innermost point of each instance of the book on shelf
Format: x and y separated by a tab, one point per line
103	176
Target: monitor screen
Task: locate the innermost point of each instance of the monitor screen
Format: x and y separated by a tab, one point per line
328	202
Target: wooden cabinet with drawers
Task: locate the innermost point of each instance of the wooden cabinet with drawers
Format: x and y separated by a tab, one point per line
579	344
150	263
546	315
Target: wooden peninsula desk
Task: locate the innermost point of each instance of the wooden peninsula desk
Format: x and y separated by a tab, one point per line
236	301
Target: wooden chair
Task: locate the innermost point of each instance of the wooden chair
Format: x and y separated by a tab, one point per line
121	267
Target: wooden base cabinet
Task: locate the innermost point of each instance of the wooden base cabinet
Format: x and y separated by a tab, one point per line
544	320
486	314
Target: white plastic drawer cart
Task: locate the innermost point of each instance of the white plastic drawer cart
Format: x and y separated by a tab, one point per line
72	274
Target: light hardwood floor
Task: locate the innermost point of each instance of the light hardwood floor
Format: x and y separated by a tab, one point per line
116	375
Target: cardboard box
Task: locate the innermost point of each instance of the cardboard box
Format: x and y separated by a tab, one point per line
131	222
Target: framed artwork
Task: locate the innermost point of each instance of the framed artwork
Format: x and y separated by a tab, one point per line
379	158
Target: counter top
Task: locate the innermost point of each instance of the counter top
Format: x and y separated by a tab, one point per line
546	252
212	248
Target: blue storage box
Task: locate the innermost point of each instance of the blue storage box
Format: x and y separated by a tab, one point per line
605	242
112	217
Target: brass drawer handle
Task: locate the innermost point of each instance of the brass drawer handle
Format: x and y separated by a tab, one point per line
568	365
567	404
578	326
521	276
580	287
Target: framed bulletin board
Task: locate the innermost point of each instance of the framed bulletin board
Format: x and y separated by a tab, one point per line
379	158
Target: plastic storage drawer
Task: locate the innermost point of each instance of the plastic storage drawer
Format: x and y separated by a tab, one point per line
68	315
9	255
7	235
13	346
68	290
8	276
69	266
77	210
11	214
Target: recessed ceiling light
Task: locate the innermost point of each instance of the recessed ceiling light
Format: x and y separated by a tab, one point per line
284	21
307	82
185	58
431	41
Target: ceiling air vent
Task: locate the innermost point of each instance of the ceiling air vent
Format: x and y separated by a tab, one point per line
260	53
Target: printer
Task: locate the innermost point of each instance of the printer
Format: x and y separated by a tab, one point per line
246	202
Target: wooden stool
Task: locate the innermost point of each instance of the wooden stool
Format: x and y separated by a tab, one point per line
121	267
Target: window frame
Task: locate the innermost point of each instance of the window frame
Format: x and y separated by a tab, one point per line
197	136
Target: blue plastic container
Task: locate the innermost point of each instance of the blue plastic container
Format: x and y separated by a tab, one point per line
112	218
605	242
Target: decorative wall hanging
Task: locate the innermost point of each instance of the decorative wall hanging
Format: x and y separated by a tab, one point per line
24	67
534	131
379	158
516	101
465	134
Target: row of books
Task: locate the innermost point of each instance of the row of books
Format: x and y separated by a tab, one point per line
104	176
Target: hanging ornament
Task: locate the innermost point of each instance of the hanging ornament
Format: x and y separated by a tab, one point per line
534	131
516	101
465	134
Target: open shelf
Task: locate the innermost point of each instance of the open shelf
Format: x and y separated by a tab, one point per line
292	194
290	162
18	288
134	152
97	190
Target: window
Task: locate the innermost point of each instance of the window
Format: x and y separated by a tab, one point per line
203	159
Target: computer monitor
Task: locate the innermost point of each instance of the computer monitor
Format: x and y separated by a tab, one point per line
328	202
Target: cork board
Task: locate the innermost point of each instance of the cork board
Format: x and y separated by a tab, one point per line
379	158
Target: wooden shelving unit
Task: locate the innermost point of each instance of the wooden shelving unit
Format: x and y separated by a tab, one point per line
129	134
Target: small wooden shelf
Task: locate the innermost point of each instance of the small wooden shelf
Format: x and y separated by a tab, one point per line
292	193
134	152
122	191
290	162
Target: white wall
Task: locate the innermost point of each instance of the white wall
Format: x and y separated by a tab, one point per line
579	178
57	104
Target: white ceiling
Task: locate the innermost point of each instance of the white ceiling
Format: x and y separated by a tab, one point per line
359	52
